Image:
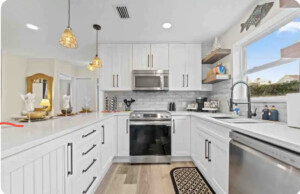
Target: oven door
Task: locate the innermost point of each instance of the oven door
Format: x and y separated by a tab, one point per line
150	138
147	82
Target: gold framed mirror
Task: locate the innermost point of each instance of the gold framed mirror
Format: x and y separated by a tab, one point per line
41	85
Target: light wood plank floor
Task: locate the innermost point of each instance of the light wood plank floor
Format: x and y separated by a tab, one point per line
139	179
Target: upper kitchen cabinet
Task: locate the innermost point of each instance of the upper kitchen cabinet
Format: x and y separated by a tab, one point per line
185	67
154	56
117	66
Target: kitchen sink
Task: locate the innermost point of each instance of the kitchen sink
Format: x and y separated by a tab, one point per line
236	120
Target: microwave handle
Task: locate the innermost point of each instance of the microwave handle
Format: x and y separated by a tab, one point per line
148	61
183	80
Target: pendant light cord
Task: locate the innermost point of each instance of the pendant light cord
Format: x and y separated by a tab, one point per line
96	42
69	13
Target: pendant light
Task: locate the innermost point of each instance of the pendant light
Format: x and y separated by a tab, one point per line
97	61
91	67
68	39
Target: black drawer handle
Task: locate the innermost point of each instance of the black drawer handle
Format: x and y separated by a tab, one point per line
87	189
209	157
206	157
70	172
84	153
83	136
85	170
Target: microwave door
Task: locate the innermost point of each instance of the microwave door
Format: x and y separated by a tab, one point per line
147	82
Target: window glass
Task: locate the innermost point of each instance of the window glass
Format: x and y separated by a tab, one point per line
277	80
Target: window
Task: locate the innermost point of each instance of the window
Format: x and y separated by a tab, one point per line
267	73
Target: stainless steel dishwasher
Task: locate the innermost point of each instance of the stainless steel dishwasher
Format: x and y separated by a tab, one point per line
257	167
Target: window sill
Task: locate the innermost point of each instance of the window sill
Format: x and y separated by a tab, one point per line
269	99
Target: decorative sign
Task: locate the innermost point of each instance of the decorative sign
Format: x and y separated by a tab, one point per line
258	14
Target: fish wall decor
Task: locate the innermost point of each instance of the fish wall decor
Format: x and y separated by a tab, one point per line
258	14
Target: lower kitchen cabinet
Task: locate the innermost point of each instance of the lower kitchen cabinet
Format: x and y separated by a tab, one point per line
42	169
108	143
181	136
211	154
123	135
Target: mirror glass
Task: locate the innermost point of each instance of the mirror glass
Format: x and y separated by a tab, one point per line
40	89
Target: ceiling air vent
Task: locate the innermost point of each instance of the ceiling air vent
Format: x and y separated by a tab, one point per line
123	12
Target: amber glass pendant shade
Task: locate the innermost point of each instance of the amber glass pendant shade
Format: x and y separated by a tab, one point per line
91	67
68	39
97	63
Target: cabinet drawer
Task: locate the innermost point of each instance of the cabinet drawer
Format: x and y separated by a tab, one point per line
83	152
88	133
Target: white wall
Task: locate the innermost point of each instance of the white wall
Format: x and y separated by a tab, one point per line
233	35
16	68
13	84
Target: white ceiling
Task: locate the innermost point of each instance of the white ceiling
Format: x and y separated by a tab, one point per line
192	21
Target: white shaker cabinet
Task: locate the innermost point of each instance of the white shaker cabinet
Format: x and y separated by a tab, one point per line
185	67
181	136
123	135
115	73
150	56
141	56
108	143
211	154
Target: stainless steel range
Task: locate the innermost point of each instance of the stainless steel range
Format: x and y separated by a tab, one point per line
150	137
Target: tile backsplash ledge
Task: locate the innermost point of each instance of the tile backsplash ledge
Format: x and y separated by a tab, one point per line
151	100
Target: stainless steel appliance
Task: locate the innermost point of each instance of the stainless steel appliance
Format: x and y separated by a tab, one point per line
150	79
257	167
150	137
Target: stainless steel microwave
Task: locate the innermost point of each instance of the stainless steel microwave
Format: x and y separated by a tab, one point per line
150	80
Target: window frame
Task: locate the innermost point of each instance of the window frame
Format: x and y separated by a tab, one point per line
239	70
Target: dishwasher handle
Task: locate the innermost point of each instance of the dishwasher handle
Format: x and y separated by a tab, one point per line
281	154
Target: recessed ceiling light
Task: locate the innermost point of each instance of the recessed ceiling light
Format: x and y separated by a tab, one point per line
167	25
32	27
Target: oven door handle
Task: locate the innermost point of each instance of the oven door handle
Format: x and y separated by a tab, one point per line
139	123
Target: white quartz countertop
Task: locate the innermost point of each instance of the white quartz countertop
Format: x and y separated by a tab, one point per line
273	132
14	139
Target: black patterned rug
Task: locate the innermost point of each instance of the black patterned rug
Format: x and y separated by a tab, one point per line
188	180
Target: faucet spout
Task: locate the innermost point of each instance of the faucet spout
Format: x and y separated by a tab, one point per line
250	114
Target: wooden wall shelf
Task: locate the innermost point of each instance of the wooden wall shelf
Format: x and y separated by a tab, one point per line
215	56
216	78
292	51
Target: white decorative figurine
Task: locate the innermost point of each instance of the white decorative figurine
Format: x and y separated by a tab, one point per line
217	44
29	100
66	103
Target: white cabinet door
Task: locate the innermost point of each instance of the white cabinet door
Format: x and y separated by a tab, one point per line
181	136
123	67
43	169
107	74
177	71
141	56
201	152
194	67
123	135
219	155
159	56
108	147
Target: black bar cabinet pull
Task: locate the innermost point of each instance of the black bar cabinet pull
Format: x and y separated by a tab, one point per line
87	189
127	123
85	170
103	134
206	149
83	136
209	159
84	153
70	145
